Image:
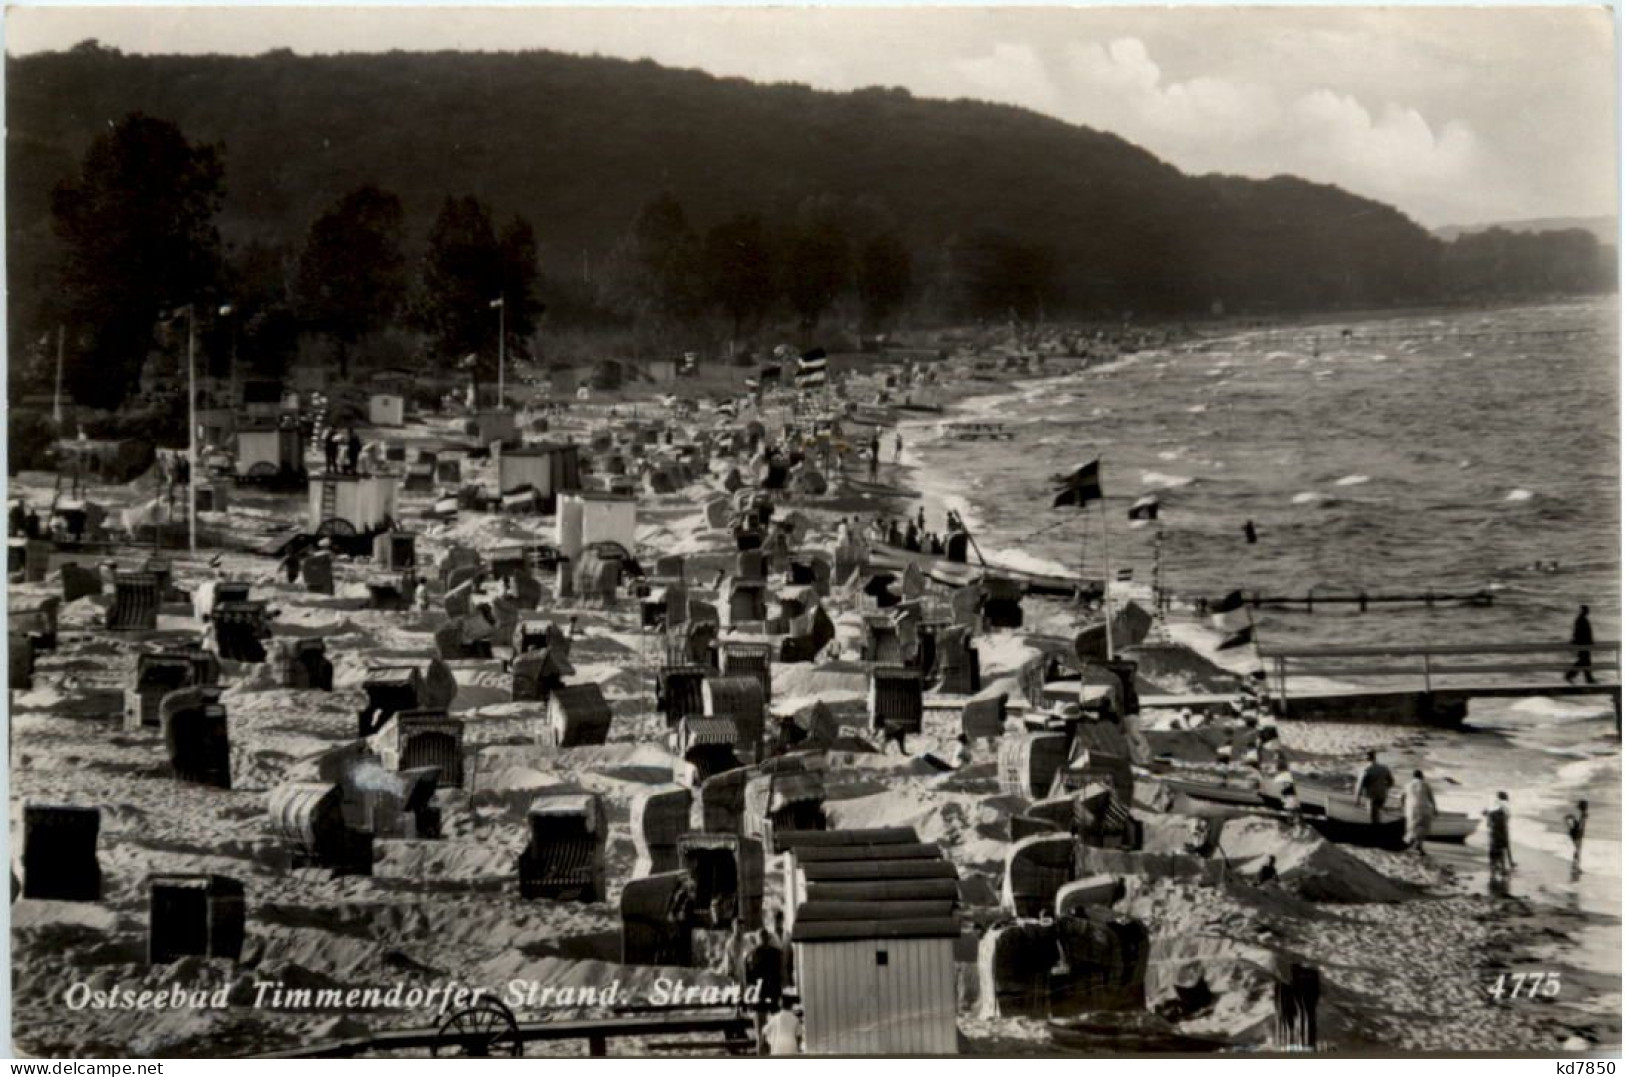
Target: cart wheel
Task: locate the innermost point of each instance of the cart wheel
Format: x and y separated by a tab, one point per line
336	528
264	469
487	1030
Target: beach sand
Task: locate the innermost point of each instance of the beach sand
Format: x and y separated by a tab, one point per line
1406	975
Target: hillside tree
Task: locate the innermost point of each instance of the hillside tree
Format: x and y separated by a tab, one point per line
352	276
139	237
738	270
817	269
885	276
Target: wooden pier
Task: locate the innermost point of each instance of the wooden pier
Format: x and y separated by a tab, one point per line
1362	599
1449	677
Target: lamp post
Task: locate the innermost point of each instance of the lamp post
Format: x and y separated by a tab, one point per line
227	310
191	428
501	305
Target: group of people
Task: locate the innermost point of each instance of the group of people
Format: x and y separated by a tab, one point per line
910	533
342	454
1376	781
763	958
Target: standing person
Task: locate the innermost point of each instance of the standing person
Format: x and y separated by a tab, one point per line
1499	819
1582	637
1251	532
874	454
782	1032
897	733
1420	808
729	961
330	447
897	448
764	966
352	455
1373	784
1576	824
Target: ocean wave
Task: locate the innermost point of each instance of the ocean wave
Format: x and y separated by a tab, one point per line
1164	481
1353	480
1197	409
1519	494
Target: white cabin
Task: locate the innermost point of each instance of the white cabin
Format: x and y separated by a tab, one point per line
364	502
585	517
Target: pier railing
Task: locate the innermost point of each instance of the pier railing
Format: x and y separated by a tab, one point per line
1494	668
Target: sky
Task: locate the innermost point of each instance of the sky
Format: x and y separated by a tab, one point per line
1461	115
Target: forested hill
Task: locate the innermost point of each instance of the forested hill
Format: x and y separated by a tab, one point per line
577	145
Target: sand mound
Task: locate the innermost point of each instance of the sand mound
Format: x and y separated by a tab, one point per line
1309	864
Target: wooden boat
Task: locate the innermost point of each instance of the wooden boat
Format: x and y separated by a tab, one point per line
956	574
976	430
1339	817
1240	796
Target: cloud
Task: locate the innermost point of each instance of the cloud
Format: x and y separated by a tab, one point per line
1211	123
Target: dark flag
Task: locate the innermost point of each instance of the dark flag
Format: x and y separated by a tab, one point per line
1237	639
812	369
1145	509
1080	487
1229	613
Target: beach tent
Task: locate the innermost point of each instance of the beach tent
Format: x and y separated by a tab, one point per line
576	715
564	858
659	817
59	852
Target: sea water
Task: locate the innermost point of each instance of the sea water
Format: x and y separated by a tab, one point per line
1452	452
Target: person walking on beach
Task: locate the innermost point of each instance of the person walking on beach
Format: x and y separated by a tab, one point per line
782	1032
1373	784
1420	808
1576	825
897	449
874	456
1498	818
1582	637
1251	532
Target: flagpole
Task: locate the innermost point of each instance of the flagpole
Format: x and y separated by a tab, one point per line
502	349
56	402
191	424
1106	553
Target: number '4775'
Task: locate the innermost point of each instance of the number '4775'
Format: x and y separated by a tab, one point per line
1516	985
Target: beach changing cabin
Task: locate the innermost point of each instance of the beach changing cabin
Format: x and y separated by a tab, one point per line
267	449
875	927
386	409
549	469
351	504
585	517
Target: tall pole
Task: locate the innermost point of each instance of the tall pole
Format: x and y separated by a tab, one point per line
191	427
1106	553
56	401
502	348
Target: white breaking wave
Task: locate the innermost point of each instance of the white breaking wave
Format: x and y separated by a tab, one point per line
1164	481
1354	480
1520	495
1308	497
